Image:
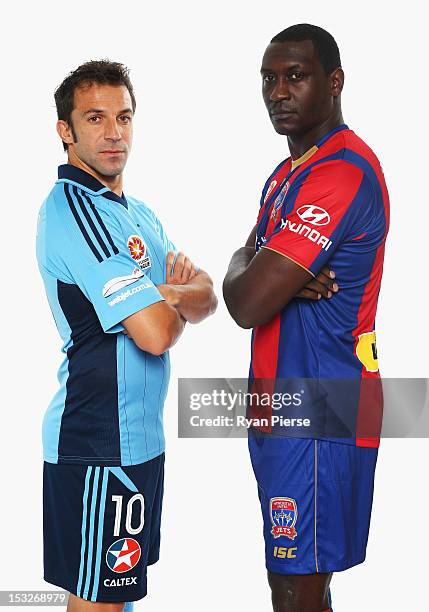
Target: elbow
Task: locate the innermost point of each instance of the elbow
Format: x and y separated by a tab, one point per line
248	318
158	342
243	321
246	315
209	308
155	346
237	308
241	316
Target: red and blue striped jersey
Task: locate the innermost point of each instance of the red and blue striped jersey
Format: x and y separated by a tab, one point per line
329	206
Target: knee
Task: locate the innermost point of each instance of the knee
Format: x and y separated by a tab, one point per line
283	592
299	593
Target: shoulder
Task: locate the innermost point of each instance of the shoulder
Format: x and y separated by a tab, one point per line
346	165
79	226
330	176
140	206
359	154
144	210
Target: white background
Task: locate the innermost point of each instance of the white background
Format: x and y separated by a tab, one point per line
203	147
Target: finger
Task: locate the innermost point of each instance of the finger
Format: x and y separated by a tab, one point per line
170	260
326	270
318	287
308	294
326	274
178	267
327	282
187	269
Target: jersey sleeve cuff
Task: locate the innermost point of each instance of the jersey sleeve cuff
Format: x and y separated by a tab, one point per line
127	304
292	258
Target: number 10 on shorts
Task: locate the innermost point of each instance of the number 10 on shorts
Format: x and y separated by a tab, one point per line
135	499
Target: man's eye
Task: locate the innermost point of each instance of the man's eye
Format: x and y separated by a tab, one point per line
267	78
94	119
296	76
125	118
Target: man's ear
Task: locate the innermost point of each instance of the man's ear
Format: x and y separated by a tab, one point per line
337	82
65	132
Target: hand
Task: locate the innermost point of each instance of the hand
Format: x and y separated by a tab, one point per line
183	269
323	285
170	293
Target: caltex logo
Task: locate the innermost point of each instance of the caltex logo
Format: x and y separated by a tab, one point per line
309	213
123	555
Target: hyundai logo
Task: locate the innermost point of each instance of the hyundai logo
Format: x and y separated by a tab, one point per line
313	214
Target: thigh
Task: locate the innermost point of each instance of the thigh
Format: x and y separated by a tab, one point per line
76	604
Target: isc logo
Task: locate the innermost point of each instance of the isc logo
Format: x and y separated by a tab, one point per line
285	553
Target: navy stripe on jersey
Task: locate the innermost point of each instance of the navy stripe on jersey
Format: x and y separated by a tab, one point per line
101	223
92	218
90	222
80	224
91	403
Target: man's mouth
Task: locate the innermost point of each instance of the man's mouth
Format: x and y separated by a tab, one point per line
282	114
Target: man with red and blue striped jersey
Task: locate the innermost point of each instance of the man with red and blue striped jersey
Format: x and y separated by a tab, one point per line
325	205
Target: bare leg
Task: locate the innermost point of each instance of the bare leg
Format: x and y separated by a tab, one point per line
303	593
76	604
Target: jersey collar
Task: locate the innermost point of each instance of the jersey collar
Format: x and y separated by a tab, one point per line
67	173
297	162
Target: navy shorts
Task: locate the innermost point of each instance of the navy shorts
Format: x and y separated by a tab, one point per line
101	528
316	499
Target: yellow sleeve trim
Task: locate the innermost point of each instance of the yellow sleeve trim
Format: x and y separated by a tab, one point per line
292	259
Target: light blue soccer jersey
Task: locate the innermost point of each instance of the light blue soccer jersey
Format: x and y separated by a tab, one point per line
101	257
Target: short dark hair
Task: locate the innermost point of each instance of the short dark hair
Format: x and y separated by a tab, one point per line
103	72
324	43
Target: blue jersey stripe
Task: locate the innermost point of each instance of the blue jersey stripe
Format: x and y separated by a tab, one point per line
91	532
122	476
144	411
159	412
80	224
90	222
83	531
122	400
100	534
102	224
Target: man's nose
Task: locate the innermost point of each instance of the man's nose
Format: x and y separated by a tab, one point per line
280	90
112	131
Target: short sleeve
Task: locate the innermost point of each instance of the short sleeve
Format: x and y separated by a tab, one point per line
327	207
117	288
94	253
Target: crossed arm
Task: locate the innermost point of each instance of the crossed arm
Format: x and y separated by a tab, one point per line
258	285
188	296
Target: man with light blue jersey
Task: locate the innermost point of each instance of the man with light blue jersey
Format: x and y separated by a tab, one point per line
120	294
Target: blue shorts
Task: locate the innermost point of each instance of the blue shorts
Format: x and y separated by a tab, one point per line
316	499
101	528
